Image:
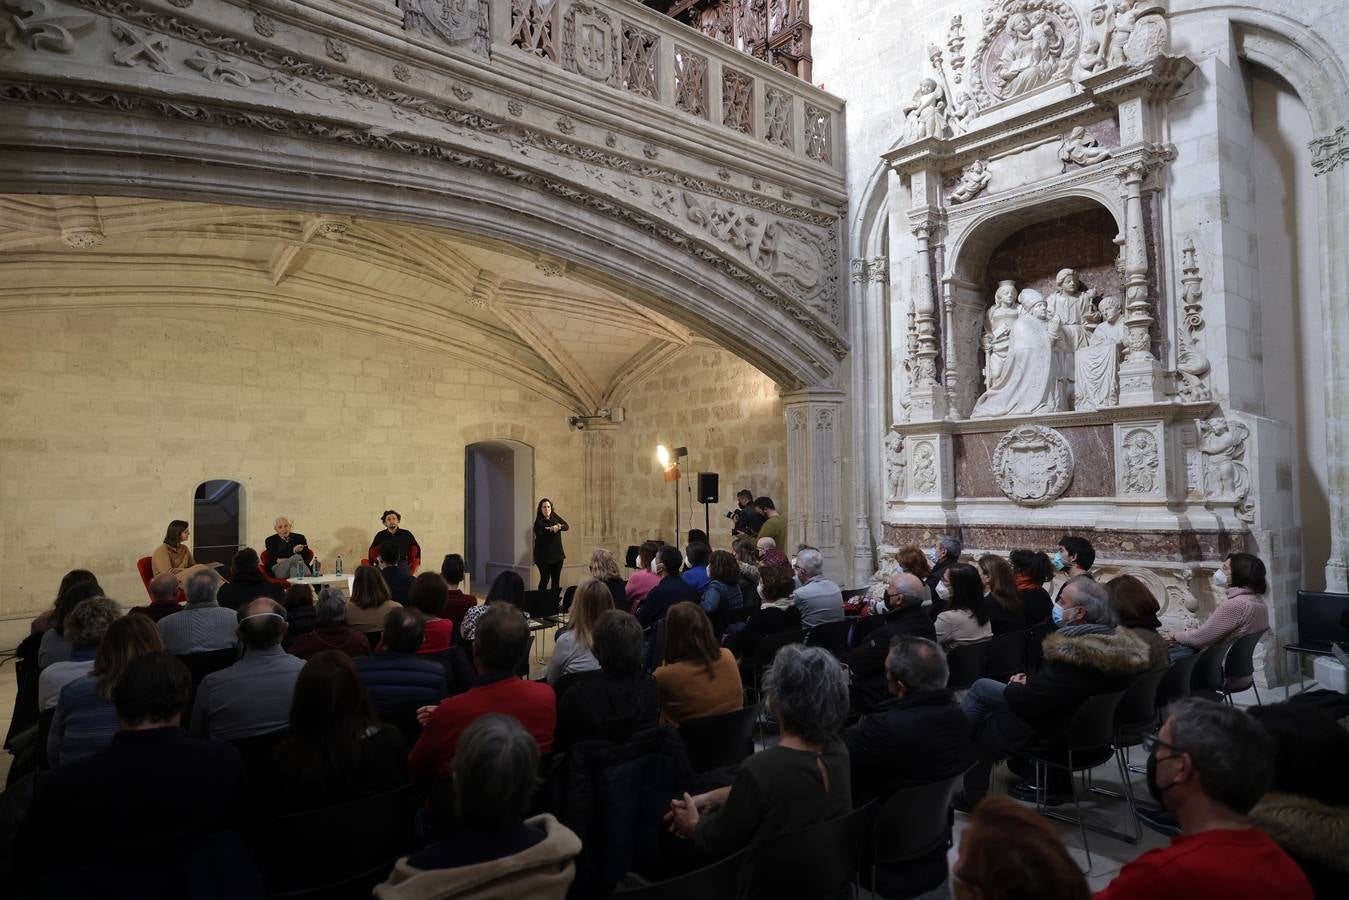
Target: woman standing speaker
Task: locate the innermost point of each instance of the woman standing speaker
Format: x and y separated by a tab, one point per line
548	553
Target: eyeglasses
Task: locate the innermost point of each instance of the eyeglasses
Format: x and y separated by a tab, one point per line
1152	742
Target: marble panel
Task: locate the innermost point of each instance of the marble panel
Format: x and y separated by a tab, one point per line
1208	547
1093	462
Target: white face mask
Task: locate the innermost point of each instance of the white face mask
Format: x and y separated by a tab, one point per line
1220	579
943	591
932	556
653	567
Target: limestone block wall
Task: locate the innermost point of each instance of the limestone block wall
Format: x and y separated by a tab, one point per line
109	418
728	414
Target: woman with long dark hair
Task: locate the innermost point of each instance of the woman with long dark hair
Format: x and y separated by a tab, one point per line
370	602
1030	573
1006	610
508	587
700	677
47	619
173	555
337	749
548	552
965	619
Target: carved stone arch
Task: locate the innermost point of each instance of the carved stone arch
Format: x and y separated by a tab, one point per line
497	431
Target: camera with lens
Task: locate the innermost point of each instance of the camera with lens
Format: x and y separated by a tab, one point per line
732	513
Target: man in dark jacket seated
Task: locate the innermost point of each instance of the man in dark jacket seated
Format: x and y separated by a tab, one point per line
1087	656
398	680
396	574
622	700
903	598
918	736
671	590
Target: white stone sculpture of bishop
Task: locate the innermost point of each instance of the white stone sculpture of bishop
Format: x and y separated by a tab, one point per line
1031	380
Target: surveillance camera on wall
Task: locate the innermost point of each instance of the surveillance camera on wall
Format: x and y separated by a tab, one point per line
577	423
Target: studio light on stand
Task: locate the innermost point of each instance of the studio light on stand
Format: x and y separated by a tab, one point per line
669	461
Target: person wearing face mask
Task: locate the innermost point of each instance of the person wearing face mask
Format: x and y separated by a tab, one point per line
944	554
1209	765
776	614
901	613
1088	655
965	619
1074	557
671	590
644	577
1241	612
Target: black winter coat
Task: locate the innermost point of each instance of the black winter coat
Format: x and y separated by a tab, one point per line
918	739
1076	668
867	662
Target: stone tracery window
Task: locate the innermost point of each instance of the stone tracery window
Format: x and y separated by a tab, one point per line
744	23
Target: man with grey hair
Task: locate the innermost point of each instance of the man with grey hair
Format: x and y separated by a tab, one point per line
1087	656
903	614
1209	764
203	624
164	597
332	631
944	554
251	697
917	736
818	598
288	551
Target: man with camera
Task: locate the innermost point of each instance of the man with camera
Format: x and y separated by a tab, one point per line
745	518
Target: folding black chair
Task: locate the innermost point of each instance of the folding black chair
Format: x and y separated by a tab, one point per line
817	862
718	881
721	740
1207	679
832	636
1006	655
912	825
1239	667
965	662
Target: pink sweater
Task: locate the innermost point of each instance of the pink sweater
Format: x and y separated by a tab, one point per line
1241	613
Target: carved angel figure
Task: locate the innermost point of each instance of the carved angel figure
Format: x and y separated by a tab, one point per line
972	181
924	469
1140	463
894	466
998	332
1081	148
1097	362
1223	444
925	115
1096	46
963	110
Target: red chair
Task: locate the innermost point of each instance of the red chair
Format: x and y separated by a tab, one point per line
414	557
265	564
145	569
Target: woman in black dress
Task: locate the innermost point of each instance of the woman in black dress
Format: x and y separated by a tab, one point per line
548	553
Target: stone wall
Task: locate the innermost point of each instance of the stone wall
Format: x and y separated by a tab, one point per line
109	419
728	414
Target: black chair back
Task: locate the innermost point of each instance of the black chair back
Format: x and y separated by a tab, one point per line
816	862
1035	639
1207	679
1093	725
374	637
718	881
567	597
965	663
1175	685
832	636
575	679
654	647
768	648
338	851
202	664
913	822
1006	655
1239	664
720	740
1136	714
256	752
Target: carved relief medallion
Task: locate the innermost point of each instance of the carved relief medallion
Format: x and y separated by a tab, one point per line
590	43
1027	44
1033	465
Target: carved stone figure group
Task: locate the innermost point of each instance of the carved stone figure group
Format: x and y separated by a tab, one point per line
1053	353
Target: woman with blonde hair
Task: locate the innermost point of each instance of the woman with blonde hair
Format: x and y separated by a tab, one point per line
573	651
604	568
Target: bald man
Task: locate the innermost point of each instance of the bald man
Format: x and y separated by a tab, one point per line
164	597
904	614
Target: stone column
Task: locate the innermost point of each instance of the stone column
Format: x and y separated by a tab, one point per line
600	467
927	399
1140	374
814	483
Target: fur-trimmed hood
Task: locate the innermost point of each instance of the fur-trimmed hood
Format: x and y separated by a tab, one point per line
1305	828
1119	652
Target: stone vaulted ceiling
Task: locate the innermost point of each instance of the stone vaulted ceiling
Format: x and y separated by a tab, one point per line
528	317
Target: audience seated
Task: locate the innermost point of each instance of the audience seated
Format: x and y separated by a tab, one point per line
699	677
918	736
644	577
1009	852
395	573
747	558
457	603
914	561
149	795
495	851
85	717
818	598
399	681
1306	809
1006	611
1031	571
1137	609
903	615
1088	655
371	601
604	569
801	781
944	554
332	631
247	582
1210	764
671	590
622	700
53	648
163	598
1075	556
695	573
502	641
251	697
573	649
964	618
301	615
337	748
47	619
508	587
427	596
1241	612
84	629
202	624
769	554
721	598
777	613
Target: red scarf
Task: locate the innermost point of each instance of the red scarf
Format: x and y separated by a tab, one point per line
1025	582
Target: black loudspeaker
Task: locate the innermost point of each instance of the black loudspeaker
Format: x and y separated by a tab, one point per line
707	487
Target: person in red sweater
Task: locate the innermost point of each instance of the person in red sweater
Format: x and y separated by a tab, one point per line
1209	765
502	642
457	603
428	594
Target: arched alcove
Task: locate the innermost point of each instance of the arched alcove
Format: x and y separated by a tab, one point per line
498	510
217	521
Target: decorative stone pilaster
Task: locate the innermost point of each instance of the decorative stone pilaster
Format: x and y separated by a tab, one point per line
1140	374
600	467
927	397
814	482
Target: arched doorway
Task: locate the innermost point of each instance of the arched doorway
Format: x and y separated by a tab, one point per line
217	521
498	510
